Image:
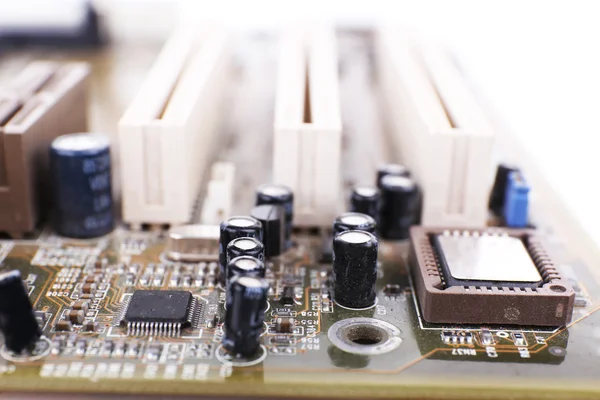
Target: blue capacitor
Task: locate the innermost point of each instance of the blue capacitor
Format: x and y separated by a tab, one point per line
516	201
81	183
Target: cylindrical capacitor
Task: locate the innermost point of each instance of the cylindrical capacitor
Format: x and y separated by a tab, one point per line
245	314
391	169
272	219
17	319
81	184
399	206
232	228
245	266
365	200
354	269
353	221
245	246
283	196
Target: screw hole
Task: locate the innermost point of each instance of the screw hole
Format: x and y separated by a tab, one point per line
558	288
365	335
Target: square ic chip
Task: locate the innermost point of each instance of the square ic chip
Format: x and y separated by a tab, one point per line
487	276
159	312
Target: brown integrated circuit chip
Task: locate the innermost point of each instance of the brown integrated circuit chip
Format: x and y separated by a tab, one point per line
487	276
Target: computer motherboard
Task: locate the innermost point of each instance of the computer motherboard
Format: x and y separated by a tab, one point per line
459	312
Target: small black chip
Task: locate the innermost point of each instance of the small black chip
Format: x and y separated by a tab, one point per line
160	312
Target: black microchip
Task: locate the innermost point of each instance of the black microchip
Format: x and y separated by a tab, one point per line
287	296
159	306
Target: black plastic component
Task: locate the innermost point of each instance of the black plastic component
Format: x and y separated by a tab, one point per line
233	228
365	200
87	34
354	269
245	266
287	296
18	321
326	248
283	196
273	221
245	315
246	246
400	197
391	169
81	183
354	222
498	193
159	306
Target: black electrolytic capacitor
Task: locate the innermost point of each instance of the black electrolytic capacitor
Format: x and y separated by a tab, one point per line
232	228
245	246
17	319
365	200
272	219
245	266
354	269
283	196
498	194
391	169
353	221
81	184
399	206
245	314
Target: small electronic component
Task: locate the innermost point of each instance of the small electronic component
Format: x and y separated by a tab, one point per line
64	326
365	200
485	336
391	169
245	315
83	305
516	202
487	276
354	269
76	316
18	322
46	100
193	243
354	222
457	337
498	193
232	228
272	219
81	183
519	339
245	266
399	206
245	246
159	312
285	325
90	326
283	196
287	296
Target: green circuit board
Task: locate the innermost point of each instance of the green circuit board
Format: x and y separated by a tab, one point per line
297	360
299	356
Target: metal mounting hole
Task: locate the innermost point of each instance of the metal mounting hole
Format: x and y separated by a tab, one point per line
367	336
558	288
